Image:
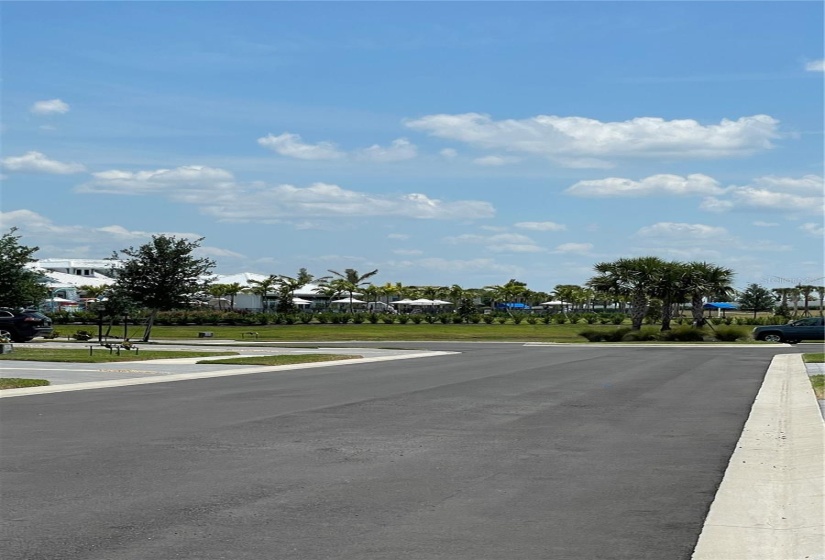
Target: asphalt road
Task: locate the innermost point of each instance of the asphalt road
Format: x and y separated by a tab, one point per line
502	452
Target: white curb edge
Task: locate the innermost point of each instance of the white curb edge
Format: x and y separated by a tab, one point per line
770	503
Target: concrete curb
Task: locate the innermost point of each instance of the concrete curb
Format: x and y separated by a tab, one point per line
770	505
232	371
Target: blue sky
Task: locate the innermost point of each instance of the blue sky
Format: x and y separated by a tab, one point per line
441	143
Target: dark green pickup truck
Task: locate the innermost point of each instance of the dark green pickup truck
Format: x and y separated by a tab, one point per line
810	328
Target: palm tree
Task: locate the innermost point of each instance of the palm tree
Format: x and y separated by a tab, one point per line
263	287
634	277
351	281
671	289
703	280
217	291
806	291
820	291
511	292
233	290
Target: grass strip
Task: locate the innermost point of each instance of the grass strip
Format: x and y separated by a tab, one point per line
815	358
818	382
282	360
19	383
100	355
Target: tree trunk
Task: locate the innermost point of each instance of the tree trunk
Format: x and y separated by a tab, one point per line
667	313
696	310
149	324
639	310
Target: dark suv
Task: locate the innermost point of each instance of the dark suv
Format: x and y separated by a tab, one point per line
23	325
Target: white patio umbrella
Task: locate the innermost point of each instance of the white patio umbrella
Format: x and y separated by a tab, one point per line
300	301
402	302
552	303
442	302
347	300
422	301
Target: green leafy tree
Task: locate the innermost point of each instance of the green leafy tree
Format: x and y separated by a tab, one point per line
805	292
756	298
19	286
162	275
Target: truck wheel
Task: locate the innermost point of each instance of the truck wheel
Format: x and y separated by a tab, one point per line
772	337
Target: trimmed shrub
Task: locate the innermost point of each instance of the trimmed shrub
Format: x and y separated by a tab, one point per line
531	320
644	335
727	333
682	334
488	319
501	320
474	319
403	319
373	318
388	319
417	319
445	319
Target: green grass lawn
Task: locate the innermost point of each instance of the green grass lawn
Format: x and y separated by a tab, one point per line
19	383
818	382
815	358
99	355
380	332
282	360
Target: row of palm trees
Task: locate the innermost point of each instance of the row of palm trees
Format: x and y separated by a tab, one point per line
624	283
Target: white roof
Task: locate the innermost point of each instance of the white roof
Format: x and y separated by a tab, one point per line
63	280
51	264
241	278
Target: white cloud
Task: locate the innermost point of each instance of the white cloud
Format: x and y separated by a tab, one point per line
663	184
400	150
171	182
448	153
36	162
577	137
541	226
808	183
290	145
50	107
80	240
760	223
498	243
216	252
495	161
458	266
713	204
816	230
683	231
573	248
215	192
815	65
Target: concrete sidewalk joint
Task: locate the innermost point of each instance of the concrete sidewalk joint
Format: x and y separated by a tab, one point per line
770	505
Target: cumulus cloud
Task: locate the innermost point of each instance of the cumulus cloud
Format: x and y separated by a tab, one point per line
498	243
218	195
574	248
541	226
84	239
781	195
399	150
327	200
760	223
496	161
36	162
457	266
663	184
815	65
683	231
50	107
563	138
448	153
291	145
816	230
164	181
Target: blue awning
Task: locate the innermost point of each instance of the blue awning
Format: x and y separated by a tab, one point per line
720	305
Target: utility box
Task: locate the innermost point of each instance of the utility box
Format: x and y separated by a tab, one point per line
6	348
204	335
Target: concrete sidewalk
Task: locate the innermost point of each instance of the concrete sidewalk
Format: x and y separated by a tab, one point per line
770	503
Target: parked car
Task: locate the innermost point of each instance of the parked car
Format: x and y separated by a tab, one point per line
810	328
23	325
